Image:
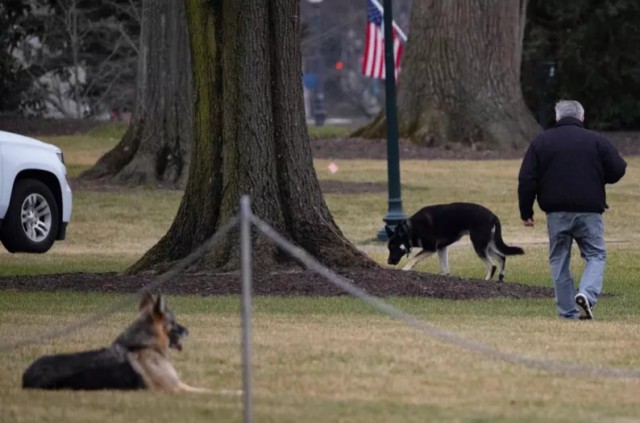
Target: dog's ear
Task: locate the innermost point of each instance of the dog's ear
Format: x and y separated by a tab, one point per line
160	306
389	231
402	228
146	301
406	224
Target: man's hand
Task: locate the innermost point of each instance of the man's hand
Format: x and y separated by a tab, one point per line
528	222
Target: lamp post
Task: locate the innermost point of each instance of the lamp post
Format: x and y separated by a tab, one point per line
394	212
317	95
546	74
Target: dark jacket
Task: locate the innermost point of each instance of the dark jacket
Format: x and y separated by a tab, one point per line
566	168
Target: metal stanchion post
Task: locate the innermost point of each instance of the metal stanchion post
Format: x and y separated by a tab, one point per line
245	269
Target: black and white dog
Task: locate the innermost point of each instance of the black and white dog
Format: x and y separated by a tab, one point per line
434	228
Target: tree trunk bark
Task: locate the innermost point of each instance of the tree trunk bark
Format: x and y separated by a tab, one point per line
460	81
157	145
250	137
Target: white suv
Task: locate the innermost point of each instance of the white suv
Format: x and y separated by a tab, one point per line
35	197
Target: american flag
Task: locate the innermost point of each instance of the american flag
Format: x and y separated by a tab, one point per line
373	60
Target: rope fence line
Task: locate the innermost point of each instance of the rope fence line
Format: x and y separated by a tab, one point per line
433	330
130	299
313	264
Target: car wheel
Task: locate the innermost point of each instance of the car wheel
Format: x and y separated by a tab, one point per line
32	220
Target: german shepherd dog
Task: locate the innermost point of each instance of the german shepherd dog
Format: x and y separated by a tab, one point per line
434	228
137	359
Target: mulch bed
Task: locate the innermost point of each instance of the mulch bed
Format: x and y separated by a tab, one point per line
376	149
628	143
378	281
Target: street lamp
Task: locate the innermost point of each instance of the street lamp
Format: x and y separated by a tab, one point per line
395	214
545	75
315	65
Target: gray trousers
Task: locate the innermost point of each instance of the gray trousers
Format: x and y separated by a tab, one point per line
588	231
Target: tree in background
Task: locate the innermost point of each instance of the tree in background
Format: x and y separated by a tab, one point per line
78	55
156	147
594	45
111	66
250	137
460	80
15	79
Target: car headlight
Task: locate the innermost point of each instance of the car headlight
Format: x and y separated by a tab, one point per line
60	156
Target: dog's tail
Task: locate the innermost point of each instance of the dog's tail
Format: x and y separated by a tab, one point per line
505	249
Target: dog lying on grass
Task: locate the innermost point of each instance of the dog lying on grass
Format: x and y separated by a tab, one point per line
137	359
434	228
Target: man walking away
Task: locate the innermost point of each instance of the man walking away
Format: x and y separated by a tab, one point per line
566	168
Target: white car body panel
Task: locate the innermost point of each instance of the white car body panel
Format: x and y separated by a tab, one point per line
19	153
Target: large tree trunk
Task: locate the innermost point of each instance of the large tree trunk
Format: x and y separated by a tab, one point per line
250	138
460	80
157	145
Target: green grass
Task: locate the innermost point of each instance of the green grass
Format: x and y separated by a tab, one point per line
81	152
329	131
109	231
110	130
337	359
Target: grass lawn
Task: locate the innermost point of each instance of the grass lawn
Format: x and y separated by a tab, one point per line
336	359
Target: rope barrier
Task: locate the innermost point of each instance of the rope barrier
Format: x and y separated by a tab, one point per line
313	264
430	329
126	302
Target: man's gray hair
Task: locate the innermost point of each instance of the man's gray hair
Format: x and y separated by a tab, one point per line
569	108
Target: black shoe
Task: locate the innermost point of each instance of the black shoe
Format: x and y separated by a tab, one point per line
583	303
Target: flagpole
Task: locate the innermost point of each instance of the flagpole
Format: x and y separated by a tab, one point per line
395	25
395	213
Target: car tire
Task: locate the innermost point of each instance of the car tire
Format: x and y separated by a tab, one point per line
32	220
